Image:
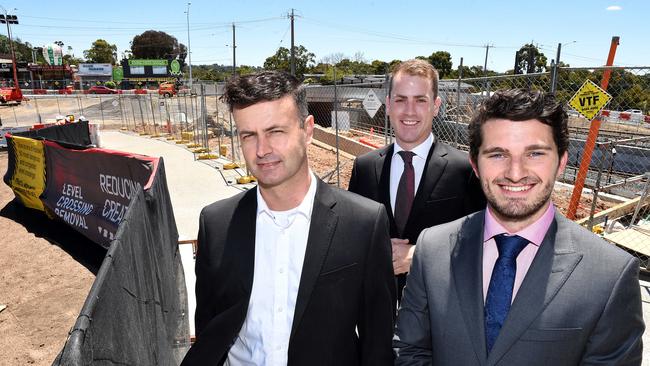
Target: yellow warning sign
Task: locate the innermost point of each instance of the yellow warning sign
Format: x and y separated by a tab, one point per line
28	181
589	99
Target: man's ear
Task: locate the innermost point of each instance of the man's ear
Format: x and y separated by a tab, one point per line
563	162
474	167
436	105
387	104
309	128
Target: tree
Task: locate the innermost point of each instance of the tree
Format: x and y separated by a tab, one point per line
281	60
158	45
441	60
71	60
379	67
101	52
527	53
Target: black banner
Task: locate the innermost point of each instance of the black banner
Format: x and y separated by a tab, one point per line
74	134
91	189
136	311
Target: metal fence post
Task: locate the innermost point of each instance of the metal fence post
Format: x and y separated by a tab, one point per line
153	115
101	109
594	201
336	121
458	105
38	112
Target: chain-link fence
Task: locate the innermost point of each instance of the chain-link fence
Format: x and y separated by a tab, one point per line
615	200
352	119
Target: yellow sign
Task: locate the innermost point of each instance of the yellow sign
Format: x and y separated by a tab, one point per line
28	181
589	100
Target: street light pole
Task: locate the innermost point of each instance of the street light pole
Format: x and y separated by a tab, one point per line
189	47
557	65
11	19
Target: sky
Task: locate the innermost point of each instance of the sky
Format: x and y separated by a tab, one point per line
383	30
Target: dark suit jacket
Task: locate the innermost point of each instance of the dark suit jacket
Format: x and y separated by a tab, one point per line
346	283
448	189
579	304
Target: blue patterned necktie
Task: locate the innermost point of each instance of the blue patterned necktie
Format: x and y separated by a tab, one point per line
499	295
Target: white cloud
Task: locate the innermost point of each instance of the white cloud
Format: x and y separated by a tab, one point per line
614	8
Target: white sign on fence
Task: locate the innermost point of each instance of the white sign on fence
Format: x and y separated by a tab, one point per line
371	103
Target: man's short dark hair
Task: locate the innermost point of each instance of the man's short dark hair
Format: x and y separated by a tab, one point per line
265	86
520	105
415	67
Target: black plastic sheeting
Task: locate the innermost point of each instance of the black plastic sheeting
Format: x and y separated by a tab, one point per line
136	311
70	134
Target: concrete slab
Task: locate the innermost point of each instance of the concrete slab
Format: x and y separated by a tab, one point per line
192	184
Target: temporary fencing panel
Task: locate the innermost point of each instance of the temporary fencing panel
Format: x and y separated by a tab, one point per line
136	311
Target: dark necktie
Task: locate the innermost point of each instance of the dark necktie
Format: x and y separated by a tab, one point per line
499	295
405	191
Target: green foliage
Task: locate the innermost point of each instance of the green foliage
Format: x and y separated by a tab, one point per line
158	45
539	59
110	84
281	60
71	60
380	67
101	52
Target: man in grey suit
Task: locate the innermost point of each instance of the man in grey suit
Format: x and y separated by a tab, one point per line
517	283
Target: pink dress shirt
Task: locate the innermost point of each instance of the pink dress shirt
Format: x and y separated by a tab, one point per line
534	234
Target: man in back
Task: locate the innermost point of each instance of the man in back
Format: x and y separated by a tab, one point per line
421	180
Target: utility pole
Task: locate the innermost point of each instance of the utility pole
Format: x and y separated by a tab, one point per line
234	46
189	47
293	52
487	49
11	19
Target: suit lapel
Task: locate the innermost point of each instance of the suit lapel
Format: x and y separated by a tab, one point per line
382	174
321	230
553	264
243	255
466	264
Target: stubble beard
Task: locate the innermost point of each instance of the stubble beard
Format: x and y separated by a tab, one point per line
517	209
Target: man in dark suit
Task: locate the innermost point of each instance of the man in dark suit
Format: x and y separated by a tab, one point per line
518	283
293	272
436	185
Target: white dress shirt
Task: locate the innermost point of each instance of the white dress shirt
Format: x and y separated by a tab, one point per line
397	166
280	244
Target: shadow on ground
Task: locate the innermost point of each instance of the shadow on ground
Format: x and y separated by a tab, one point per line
82	249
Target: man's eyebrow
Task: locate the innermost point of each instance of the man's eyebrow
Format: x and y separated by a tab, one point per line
528	148
493	150
414	96
538	147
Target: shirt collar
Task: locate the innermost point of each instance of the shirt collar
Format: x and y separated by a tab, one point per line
534	232
304	208
421	150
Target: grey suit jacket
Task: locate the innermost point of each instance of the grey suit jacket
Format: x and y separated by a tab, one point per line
579	303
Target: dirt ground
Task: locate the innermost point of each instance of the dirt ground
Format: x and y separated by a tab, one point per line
46	271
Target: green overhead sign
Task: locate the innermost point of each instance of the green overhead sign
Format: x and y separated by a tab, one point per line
147	62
